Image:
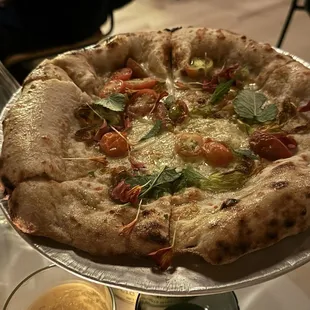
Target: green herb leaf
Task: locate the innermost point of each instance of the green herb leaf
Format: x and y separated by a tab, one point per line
190	177
246	153
169	100
115	102
113	118
155	185
269	113
154	131
224	181
249	105
167	176
221	90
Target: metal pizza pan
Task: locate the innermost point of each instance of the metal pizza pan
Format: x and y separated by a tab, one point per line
189	276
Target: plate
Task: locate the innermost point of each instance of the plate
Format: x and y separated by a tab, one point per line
190	275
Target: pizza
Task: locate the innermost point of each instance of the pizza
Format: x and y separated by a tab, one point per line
191	140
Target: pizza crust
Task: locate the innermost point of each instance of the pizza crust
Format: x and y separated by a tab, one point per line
39	132
79	213
275	204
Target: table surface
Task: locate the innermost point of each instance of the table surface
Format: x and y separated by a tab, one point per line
18	259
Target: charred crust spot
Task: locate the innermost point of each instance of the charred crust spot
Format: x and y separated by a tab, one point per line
279	56
98	50
157	237
243	38
112	212
229	203
271	235
220	34
222	244
243	246
112	44
242	222
7	183
289	223
201	33
273	222
279	185
146	213
288	197
307	195
74	221
303	212
173	29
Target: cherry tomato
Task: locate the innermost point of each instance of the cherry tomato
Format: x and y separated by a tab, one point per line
141	83
122	74
137	70
189	145
178	112
112	87
113	145
142	103
270	147
216	154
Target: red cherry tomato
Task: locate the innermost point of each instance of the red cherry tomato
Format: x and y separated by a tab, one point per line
270	147
189	145
112	87
122	74
137	70
113	145
142	103
141	83
216	154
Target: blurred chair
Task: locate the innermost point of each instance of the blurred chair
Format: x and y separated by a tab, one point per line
294	6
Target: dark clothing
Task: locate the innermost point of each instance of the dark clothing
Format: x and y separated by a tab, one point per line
33	24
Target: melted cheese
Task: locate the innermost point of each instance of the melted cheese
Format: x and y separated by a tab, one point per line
158	151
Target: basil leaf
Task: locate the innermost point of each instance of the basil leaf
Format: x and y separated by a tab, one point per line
154	131
113	118
226	181
139	180
221	90
190	177
167	176
269	113
155	184
249	105
115	102
246	153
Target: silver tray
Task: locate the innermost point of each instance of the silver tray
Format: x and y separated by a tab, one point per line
190	276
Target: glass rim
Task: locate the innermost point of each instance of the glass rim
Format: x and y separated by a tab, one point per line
9	298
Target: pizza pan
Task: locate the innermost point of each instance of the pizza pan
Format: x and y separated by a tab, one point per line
190	275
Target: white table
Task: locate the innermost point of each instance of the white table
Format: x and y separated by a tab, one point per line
289	292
